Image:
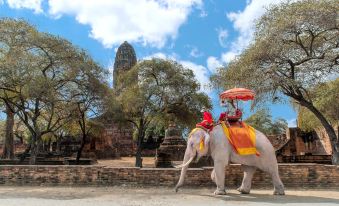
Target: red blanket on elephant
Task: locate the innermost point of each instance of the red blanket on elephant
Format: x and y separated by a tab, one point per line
241	137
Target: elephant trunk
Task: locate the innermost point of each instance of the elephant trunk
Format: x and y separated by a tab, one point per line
184	167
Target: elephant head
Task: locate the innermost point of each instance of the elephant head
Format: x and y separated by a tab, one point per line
197	146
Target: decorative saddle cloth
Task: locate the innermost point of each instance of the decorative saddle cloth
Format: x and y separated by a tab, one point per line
241	137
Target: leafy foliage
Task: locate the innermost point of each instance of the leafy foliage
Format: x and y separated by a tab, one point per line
295	48
326	97
262	121
156	92
44	78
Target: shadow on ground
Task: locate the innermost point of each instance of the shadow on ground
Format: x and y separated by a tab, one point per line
167	195
266	198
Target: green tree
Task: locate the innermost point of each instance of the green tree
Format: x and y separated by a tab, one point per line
326	98
279	126
262	121
295	48
155	92
40	77
91	93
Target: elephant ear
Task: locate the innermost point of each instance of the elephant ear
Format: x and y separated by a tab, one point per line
201	139
204	141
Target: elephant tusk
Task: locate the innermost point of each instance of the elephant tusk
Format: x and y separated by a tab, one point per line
187	163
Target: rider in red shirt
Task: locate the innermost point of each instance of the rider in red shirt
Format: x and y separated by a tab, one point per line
207	122
232	113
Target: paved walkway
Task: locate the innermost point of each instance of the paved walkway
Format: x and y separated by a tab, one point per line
111	196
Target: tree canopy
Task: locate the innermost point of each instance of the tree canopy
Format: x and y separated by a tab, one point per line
326	97
43	78
295	49
262	121
157	91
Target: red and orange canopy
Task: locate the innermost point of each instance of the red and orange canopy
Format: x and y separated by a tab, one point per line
238	94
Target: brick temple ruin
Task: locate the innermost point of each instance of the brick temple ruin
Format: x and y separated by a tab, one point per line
116	140
297	146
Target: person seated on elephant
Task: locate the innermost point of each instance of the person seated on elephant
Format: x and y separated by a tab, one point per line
207	122
232	113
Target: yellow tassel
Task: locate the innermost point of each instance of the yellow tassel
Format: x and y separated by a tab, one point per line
202	144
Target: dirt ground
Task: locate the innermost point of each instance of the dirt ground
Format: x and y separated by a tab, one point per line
124	196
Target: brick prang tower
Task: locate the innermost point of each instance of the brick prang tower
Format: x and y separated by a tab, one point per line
125	59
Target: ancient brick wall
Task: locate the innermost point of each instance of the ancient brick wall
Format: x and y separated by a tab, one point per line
292	175
316	143
121	139
114	141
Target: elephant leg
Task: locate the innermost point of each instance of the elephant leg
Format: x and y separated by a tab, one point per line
213	176
247	179
219	169
273	171
278	185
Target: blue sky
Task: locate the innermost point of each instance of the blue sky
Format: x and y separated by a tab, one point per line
202	35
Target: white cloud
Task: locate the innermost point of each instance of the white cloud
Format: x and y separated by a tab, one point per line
161	55
228	56
244	24
292	123
222	36
213	63
34	5
195	52
201	73
203	14
110	68
149	22
1	2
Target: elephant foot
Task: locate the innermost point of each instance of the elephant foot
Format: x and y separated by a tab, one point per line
176	189
219	192
279	192
243	191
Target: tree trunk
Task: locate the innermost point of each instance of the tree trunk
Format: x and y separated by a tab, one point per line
20	138
23	156
138	158
34	153
58	144
328	128
8	151
84	137
48	146
35	148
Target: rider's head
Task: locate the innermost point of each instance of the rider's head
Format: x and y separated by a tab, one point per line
223	103
203	109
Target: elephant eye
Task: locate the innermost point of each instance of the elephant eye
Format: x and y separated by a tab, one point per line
192	144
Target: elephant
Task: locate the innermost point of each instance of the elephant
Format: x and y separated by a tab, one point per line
222	153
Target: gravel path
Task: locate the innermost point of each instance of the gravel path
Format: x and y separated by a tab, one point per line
101	196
